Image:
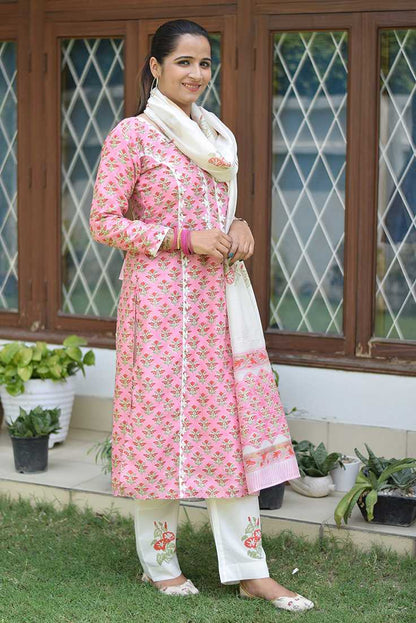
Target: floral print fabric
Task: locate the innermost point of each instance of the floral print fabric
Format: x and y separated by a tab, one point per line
176	430
175	424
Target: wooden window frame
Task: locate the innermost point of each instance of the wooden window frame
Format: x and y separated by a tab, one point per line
36	25
136	33
368	345
357	349
16	30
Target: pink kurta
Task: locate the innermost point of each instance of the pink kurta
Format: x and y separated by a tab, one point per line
175	424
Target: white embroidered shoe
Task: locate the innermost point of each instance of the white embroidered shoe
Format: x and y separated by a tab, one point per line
184	589
293	604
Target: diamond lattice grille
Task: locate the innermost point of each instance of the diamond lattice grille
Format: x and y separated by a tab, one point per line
92	99
8	177
396	235
211	98
308	181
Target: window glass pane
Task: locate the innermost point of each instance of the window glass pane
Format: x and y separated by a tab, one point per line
92	97
211	98
396	234
309	111
8	177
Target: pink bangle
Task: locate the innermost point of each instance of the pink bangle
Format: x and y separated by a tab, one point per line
190	247
186	241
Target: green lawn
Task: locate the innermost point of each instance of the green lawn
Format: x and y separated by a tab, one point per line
68	566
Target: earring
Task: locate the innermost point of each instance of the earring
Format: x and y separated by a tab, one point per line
154	84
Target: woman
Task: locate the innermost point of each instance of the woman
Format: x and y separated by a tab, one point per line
196	409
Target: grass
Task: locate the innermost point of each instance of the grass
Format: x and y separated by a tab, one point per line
68	566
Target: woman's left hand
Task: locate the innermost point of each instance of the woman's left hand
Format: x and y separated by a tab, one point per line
242	246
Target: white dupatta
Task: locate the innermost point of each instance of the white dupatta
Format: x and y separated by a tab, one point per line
268	455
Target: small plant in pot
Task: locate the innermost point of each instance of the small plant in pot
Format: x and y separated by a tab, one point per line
103	454
30	434
345	473
315	465
37	374
385	491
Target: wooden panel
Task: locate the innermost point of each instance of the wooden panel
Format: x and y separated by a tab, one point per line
244	113
12	28
318	360
81	5
266	25
132	9
366	344
330	6
56	320
8	19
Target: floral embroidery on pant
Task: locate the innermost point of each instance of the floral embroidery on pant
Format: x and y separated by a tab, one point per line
163	542
252	538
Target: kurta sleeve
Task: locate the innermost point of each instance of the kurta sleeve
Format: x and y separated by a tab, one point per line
116	178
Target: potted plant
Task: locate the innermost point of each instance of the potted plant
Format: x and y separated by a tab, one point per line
30	434
103	454
385	491
36	374
315	465
345	473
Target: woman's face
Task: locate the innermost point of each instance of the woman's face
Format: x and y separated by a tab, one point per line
185	73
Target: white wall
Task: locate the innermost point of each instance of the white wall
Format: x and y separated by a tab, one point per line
350	397
320	394
333	395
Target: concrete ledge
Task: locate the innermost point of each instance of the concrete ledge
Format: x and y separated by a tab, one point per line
74	477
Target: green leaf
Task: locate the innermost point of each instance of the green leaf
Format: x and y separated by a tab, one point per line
319	455
344	507
25	373
314	472
397	466
374	462
40	351
370	500
9	351
74	340
16	388
89	358
56	371
24	357
75	353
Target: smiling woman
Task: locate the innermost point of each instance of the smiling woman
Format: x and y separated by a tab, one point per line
186	72
196	408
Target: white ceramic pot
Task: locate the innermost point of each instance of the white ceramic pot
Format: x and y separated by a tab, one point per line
313	487
344	479
49	395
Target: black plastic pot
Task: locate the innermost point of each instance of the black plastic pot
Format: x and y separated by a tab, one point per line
391	510
30	454
272	497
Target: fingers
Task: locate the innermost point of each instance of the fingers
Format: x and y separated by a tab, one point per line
241	251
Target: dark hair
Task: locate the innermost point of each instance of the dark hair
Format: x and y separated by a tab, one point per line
163	43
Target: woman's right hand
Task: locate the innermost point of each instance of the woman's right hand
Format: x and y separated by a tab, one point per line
212	242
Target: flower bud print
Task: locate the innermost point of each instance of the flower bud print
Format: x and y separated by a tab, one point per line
163	542
252	538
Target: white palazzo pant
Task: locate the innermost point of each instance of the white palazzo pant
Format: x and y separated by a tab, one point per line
235	523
